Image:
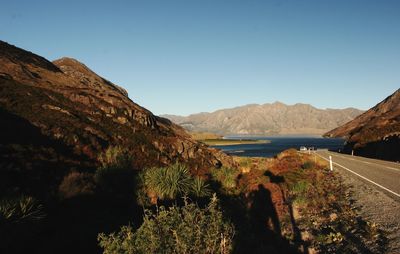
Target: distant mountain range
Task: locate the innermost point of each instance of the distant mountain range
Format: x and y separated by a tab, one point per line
268	119
375	133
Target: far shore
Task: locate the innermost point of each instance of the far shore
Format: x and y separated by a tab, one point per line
231	142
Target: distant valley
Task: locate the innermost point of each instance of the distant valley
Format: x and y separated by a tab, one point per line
267	119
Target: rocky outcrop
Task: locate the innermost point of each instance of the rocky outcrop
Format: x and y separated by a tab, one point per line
267	119
375	133
70	105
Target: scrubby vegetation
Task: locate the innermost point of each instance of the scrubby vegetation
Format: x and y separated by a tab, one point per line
170	183
227	177
325	215
20	219
186	229
289	204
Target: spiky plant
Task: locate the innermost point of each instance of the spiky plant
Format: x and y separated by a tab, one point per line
177	182
200	188
20	209
168	182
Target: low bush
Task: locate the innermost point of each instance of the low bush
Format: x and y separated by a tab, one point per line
187	229
75	184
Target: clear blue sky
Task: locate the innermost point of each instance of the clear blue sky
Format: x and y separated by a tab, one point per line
188	56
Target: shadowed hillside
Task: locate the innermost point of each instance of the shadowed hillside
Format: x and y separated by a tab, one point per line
69	103
62	129
375	133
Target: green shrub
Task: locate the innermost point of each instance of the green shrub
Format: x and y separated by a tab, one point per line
19	210
187	229
226	176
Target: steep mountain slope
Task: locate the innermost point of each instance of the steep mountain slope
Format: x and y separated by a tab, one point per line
375	133
267	119
76	114
56	119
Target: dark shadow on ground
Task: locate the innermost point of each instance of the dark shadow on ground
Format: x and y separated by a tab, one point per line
256	221
297	239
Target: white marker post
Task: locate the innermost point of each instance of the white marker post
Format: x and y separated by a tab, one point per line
330	162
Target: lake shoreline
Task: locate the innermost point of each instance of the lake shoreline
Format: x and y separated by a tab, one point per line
279	144
232	142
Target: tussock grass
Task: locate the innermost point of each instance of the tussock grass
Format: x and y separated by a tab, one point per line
226	176
168	183
20	210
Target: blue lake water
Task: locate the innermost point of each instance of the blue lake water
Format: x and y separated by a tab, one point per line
279	144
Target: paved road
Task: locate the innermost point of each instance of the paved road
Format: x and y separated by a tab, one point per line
383	175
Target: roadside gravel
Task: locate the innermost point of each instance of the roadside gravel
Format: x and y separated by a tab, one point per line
375	206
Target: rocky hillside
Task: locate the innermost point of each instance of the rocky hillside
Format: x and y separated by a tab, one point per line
61	114
375	133
267	119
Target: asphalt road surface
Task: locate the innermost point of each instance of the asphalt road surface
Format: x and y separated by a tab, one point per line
383	175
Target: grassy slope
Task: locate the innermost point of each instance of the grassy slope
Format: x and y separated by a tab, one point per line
288	204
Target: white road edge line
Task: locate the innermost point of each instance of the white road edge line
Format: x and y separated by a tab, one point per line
363	177
345	157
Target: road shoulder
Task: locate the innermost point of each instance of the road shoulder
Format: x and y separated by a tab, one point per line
375	206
